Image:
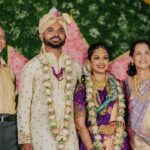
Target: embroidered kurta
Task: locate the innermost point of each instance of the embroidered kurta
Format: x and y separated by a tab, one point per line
33	122
7	90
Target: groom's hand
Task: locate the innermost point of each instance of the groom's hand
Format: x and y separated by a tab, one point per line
26	147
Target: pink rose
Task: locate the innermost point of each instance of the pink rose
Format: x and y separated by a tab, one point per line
57	14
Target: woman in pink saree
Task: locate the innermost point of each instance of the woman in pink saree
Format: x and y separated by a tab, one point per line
139	95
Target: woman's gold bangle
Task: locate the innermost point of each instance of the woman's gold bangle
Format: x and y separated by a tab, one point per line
90	147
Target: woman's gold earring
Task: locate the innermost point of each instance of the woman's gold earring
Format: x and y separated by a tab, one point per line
88	66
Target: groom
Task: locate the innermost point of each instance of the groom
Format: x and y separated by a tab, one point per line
45	107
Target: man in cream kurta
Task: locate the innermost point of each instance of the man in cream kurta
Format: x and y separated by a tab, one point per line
34	130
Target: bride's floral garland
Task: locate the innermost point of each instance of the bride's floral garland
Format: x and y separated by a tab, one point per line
120	133
60	134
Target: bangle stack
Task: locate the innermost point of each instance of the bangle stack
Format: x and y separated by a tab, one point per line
90	147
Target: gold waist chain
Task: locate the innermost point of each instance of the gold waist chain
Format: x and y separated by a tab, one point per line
109	129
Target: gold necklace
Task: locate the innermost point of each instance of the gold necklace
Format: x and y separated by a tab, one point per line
98	85
137	90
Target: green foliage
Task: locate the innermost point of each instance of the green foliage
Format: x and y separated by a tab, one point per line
117	22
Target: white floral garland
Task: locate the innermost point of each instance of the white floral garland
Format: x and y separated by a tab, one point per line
120	133
60	134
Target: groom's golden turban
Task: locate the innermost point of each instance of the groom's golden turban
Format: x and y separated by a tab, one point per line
53	16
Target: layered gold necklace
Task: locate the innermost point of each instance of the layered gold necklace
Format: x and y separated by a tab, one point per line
98	85
137	91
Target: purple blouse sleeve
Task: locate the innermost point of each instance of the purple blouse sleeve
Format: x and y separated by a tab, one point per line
79	100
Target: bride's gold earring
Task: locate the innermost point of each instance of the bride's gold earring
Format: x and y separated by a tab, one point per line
88	66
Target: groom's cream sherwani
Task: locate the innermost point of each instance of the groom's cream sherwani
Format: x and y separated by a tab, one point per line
33	122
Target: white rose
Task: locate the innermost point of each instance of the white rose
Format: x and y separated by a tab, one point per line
119	90
46	68
97	137
117	134
92	113
52	117
68	92
64	138
68	62
67	18
119	130
44	62
68	85
49	99
117	148
67	116
53	123
65	132
46	77
68	77
47	84
117	83
58	138
121	112
122	105
68	68
68	103
120	96
91	104
51	110
68	110
66	124
89	96
90	83
93	120
88	78
42	57
89	90
61	147
94	129
117	141
120	119
48	91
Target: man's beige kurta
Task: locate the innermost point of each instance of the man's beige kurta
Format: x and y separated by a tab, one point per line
33	122
7	89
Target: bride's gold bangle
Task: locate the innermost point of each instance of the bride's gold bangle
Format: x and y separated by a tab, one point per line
90	147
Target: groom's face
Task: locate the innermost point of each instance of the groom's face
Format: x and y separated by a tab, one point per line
54	36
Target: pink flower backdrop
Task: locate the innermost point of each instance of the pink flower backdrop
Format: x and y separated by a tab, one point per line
16	61
76	46
118	67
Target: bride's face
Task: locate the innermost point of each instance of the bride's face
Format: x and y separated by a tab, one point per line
99	61
141	56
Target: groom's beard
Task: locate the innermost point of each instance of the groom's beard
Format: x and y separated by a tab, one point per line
54	43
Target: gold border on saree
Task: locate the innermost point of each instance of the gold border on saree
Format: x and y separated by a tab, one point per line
106	129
